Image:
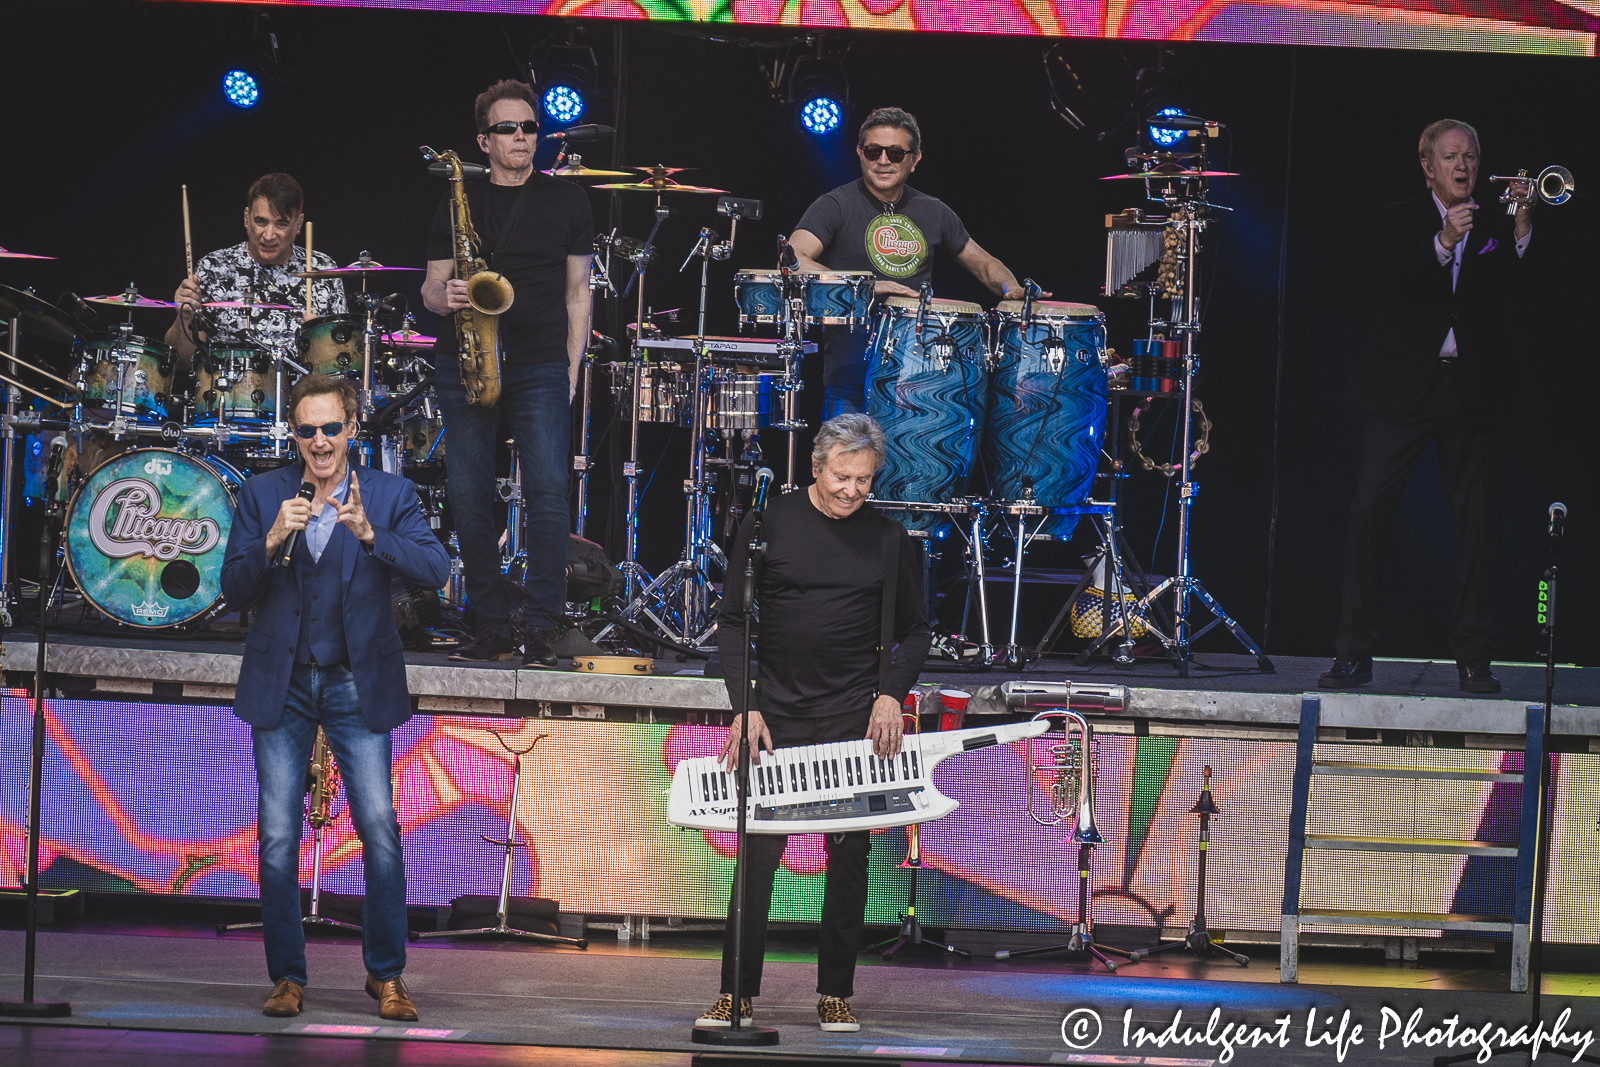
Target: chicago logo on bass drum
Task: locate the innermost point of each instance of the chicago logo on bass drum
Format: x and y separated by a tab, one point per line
139	529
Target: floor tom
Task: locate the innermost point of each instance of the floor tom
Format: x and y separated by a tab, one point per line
128	373
331	345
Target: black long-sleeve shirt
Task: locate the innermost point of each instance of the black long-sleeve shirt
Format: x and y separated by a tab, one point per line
819	605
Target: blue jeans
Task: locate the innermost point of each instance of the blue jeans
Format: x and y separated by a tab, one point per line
844	370
327	695
535	400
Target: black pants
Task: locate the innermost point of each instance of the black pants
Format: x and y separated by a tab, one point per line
844	894
1469	467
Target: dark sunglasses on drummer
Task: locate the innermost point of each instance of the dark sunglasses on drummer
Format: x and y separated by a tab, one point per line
895	152
307	432
528	126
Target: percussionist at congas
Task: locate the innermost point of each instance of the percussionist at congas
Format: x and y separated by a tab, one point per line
881	224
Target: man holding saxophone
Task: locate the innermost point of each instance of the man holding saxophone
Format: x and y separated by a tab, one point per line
538	233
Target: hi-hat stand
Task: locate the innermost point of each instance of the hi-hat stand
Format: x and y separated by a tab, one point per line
502	926
1199	940
1191	215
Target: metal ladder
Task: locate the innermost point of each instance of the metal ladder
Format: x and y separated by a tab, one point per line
1308	767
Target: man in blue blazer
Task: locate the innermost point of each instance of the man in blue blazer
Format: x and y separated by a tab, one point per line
323	650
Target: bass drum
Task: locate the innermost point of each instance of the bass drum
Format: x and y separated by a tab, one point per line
1047	405
929	390
146	535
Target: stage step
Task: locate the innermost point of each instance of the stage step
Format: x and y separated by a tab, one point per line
1408	844
1307	767
1416	920
1350	769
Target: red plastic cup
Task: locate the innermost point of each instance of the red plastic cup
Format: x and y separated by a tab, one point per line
955	708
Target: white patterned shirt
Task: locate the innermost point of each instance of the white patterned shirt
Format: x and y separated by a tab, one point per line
230	274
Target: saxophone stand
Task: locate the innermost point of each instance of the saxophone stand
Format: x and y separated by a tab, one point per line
1073	788
911	926
737	1033
502	926
1199	939
28	1007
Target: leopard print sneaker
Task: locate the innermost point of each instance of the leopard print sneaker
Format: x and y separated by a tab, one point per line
721	1013
835	1017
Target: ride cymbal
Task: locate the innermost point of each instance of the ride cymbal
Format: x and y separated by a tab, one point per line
40	318
20	255
131	299
241	304
355	270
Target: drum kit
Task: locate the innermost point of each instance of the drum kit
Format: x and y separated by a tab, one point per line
147	455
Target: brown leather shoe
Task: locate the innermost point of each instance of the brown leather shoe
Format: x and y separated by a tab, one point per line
393	1000
285	1000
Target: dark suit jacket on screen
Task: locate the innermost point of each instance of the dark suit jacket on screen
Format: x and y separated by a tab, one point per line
404	545
1417	309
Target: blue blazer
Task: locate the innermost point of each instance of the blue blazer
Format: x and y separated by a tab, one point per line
405	545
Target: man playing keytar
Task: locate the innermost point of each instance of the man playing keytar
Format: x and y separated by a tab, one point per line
819	593
315	567
883	225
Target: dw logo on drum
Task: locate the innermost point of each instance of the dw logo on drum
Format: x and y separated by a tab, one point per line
159	466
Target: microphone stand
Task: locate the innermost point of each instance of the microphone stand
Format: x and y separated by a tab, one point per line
736	1033
28	1007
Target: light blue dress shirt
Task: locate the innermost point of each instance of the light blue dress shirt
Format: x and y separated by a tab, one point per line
321	527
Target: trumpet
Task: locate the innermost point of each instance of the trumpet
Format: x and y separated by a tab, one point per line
1554	185
1072	769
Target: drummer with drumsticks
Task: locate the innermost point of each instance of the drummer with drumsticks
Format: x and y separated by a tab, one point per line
260	270
883	225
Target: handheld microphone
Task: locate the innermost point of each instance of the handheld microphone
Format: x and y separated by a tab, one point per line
307	491
1209	127
587	132
442	169
763	480
786	257
1558	516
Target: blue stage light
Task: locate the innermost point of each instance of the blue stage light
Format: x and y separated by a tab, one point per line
821	115
240	88
563	104
1163	136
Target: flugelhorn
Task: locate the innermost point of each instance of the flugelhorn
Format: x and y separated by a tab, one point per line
1071	770
1554	185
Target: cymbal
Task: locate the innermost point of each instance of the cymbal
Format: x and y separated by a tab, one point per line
131	299
40	319
240	304
354	270
661	170
409	340
578	170
1166	173
20	255
662	185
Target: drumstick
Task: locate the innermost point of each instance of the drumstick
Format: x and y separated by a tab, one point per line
188	242
309	281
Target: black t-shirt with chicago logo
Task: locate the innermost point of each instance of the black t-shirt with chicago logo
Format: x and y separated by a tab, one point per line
857	233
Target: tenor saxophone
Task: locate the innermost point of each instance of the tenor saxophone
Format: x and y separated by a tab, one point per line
322	783
489	293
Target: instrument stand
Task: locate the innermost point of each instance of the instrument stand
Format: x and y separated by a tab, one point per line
978	509
1082	939
792	350
28	1007
502	927
737	1033
315	920
1199	939
514	556
635	576
8	447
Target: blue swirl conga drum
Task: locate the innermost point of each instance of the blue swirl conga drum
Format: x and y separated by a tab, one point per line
146	535
1047	405
928	387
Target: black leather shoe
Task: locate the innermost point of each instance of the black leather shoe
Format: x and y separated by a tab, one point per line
1478	678
536	654
491	644
1344	674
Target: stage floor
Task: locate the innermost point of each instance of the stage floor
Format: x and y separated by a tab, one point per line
627	1000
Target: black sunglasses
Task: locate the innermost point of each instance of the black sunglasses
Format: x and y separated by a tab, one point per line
528	126
307	432
873	151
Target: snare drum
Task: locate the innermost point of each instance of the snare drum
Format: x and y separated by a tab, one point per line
331	345
928	388
1047	405
740	398
840	298
663	391
129	374
235	382
759	294
146	536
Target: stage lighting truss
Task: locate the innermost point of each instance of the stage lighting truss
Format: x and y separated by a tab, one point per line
241	88
568	81
820	92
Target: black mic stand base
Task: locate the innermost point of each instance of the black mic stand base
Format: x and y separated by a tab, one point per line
35	1009
727	1035
1199	941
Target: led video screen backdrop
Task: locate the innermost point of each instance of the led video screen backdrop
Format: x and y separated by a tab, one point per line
161	799
1566	27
